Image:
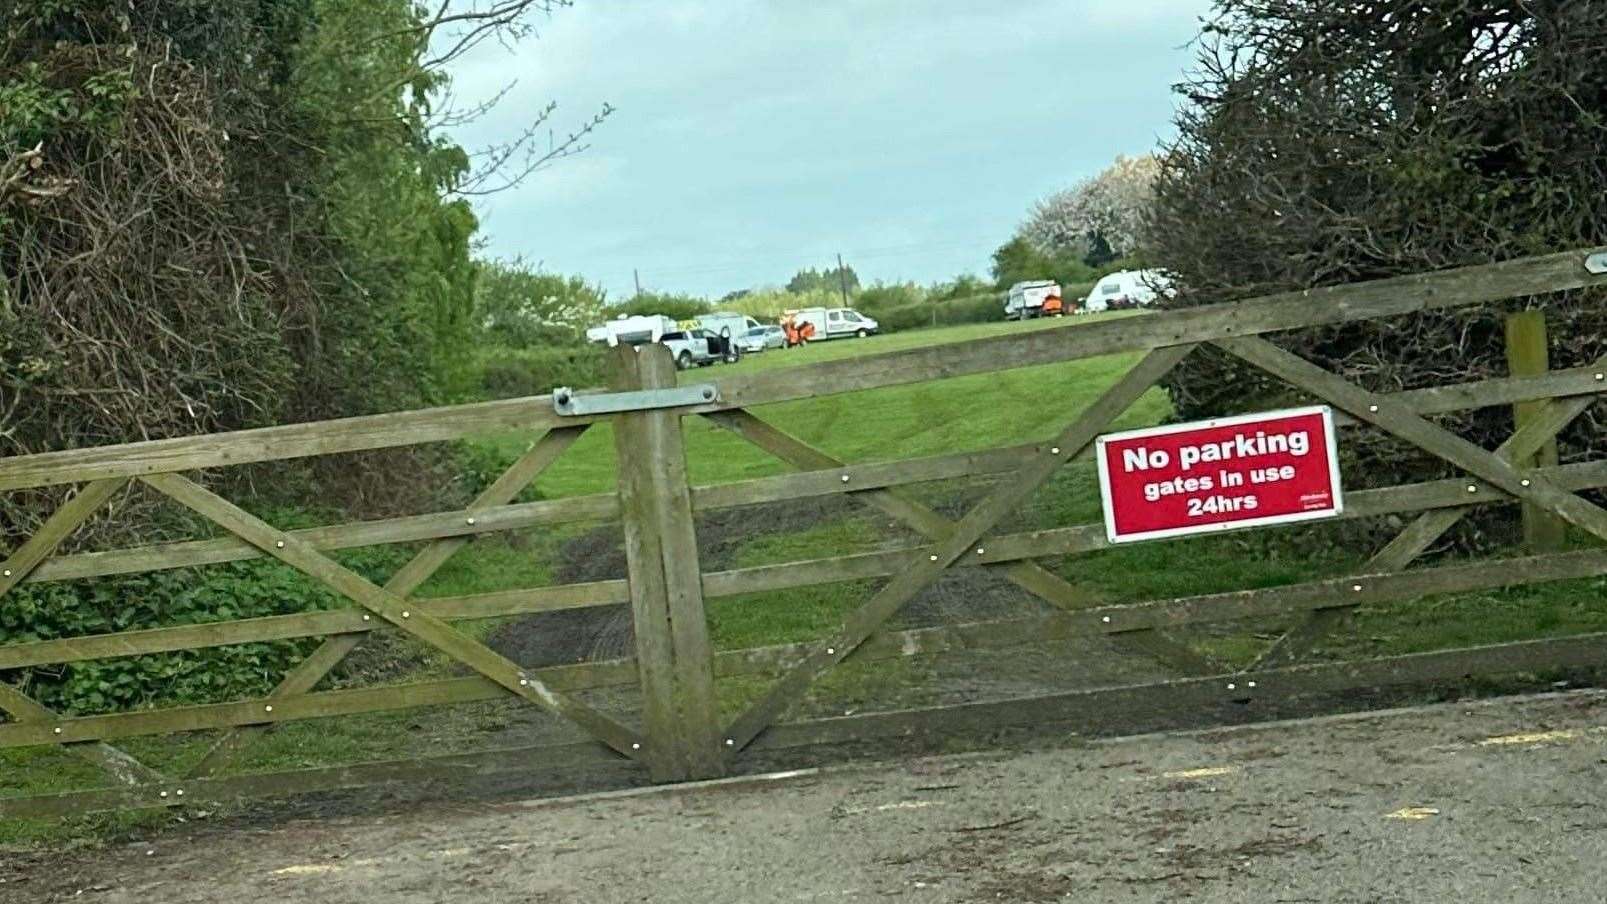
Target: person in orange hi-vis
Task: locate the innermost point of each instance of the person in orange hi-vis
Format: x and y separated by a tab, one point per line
1053	306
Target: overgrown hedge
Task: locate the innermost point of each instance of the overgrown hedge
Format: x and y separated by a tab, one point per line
1328	144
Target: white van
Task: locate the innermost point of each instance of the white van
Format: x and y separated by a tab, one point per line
726	323
1127	289
837	323
1026	299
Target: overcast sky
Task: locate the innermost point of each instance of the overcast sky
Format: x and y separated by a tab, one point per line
756	137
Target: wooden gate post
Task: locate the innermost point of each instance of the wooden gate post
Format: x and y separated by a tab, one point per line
680	711
1528	356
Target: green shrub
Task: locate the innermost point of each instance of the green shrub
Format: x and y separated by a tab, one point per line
888	297
185	596
507	373
976	309
675	307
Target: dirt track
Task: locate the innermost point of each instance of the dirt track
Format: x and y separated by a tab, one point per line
1510	797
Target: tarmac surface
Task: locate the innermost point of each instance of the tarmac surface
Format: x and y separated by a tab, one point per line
1499	801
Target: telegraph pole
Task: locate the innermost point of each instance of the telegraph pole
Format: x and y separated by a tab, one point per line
842	279
638	277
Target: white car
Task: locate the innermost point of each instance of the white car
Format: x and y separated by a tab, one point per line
760	338
688	348
1127	289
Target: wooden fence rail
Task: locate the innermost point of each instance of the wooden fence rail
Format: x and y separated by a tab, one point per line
681	733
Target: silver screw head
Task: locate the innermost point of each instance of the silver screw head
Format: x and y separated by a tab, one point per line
831	651
1249	684
1105	619
934	558
163	794
1525	481
367	617
268	709
523	682
1356	587
845	478
58	729
730	742
406	614
468	520
1600	377
1054	450
979	550
1232	686
8	572
279	544
1373	408
179	792
634	745
1472	488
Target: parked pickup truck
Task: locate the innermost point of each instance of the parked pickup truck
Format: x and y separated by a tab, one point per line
689	347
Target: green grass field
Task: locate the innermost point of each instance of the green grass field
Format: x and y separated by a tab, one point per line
968	413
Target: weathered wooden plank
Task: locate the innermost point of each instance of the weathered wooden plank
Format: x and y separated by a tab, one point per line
1125	705
1513	390
408	529
57	528
1285	311
1528	355
393	609
354	434
123	768
180	637
557	760
315	705
1421	433
825	477
921	573
680	712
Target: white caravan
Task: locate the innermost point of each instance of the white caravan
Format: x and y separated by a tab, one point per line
1026	299
1127	289
639	329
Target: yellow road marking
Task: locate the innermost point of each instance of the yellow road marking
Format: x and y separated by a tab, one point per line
1413	813
1531	737
1202	772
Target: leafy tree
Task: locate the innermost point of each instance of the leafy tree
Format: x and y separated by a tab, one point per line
520	307
1099	219
966	285
671	305
1019	260
828	280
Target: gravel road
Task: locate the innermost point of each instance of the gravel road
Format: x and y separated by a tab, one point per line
1497	801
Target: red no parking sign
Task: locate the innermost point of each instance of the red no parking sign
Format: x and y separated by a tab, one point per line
1218	475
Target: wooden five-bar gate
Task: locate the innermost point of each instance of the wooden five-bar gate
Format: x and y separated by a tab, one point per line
680	733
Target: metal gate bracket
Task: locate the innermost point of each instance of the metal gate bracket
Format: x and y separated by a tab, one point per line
567	401
1597	263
